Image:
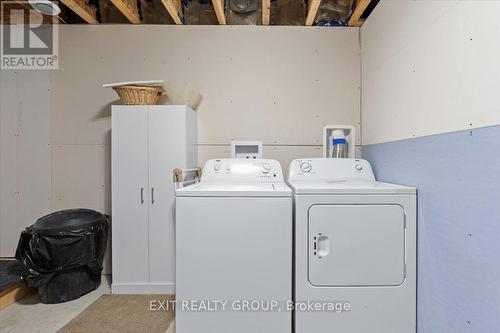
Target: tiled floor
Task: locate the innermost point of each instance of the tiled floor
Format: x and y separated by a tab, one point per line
28	315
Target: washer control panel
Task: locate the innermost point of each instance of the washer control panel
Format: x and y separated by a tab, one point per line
242	170
330	169
305	166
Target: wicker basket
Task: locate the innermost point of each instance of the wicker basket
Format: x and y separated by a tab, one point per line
139	95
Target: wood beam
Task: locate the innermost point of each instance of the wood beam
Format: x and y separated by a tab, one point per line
219	11
266	12
174	8
129	9
14	293
312	9
82	9
10	17
355	20
24	4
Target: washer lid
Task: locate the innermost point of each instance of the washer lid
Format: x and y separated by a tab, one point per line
348	186
241	189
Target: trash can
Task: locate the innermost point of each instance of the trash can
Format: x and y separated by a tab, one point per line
63	253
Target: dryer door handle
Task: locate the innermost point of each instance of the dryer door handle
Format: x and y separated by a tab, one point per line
322	246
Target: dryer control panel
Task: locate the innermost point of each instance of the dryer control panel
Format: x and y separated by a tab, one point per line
320	169
242	170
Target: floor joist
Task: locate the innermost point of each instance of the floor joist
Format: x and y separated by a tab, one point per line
46	19
355	20
82	9
174	8
219	11
129	9
266	12
24	4
312	9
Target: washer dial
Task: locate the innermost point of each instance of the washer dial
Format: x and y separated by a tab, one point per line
266	168
305	166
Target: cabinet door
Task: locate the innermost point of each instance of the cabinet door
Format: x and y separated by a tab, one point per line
130	195
167	150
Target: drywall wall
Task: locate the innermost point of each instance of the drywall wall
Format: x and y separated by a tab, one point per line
430	83
24	153
275	84
253	82
429	67
458	224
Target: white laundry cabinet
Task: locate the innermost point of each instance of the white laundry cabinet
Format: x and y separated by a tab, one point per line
147	143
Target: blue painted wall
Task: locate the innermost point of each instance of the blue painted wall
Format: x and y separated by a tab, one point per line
458	180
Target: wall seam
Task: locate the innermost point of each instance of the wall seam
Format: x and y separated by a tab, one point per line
360	92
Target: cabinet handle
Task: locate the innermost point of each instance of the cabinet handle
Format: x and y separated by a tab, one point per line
152	195
142	195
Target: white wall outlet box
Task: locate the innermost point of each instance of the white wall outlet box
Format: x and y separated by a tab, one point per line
350	137
246	149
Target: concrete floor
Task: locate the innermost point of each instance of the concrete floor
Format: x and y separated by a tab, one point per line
28	315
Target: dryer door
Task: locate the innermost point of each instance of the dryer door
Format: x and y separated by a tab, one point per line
356	245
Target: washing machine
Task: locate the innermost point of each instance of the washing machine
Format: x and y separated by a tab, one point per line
234	249
355	249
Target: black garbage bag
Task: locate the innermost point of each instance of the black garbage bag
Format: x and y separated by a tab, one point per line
63	253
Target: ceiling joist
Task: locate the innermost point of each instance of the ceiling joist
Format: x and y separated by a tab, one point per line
27	7
129	9
285	12
355	20
24	4
174	8
219	11
266	12
82	9
312	9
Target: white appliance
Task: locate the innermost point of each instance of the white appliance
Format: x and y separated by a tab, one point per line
234	245
355	247
148	142
246	149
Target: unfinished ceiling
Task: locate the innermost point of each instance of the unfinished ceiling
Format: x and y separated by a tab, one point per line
204	12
